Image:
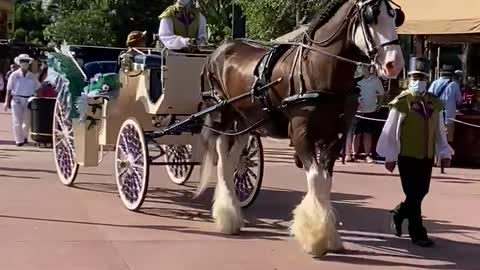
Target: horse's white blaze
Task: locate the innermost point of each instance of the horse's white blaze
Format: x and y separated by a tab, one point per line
226	209
313	219
390	57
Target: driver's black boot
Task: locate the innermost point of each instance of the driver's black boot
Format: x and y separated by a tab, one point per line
398	216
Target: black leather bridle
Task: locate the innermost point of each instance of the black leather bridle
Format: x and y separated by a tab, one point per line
368	12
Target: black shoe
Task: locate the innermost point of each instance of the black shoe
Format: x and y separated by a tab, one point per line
424	242
397	222
26	141
20	144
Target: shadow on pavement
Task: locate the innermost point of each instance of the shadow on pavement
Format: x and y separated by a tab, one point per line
361	224
447	179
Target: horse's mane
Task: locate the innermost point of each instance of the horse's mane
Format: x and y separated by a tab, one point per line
324	14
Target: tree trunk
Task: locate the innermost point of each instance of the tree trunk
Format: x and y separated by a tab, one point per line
238	23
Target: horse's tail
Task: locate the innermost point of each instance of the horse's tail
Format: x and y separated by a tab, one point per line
210	156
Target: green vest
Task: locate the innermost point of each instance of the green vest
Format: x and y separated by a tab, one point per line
186	20
418	129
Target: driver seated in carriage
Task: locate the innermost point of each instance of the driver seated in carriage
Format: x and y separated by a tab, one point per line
182	26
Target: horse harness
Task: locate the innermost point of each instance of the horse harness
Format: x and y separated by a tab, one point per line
366	13
369	11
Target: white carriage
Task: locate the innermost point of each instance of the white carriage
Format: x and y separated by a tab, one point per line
129	107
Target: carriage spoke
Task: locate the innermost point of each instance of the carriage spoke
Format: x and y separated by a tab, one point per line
178	155
131	165
63	143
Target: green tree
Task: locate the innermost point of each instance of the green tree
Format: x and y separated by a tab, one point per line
141	15
268	19
30	20
218	14
85	26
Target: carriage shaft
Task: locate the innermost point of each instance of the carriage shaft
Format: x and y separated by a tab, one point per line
202	113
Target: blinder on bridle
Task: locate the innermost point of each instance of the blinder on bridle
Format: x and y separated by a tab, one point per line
369	10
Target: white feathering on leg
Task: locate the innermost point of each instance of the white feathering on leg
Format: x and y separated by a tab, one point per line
226	207
313	219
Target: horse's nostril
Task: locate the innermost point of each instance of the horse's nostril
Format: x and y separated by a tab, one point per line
390	65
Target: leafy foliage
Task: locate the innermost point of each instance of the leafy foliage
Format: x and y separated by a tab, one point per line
87	27
30	21
218	14
108	22
268	19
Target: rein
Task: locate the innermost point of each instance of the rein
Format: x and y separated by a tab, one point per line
317	50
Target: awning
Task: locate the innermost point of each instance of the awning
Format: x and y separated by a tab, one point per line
440	17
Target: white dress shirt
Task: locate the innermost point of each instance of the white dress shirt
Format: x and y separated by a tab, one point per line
388	144
175	42
20	85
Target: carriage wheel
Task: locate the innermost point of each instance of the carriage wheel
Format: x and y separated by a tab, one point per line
131	164
249	173
63	143
181	172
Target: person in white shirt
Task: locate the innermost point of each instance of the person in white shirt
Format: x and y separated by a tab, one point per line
371	94
22	84
182	26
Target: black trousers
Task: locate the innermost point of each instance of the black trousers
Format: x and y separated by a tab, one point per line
415	175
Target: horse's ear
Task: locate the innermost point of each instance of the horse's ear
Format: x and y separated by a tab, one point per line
399	17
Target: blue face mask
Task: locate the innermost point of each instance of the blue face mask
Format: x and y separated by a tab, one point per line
417	87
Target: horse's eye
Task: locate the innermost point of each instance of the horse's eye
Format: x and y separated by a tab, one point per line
399	17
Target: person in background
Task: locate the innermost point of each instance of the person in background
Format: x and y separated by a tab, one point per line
448	90
371	97
358	76
136	39
458	78
46	88
22	84
413	134
13	68
469	96
2	82
182	26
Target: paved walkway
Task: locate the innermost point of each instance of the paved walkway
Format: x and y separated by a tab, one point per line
44	225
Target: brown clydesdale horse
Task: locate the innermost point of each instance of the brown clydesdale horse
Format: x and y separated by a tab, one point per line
311	104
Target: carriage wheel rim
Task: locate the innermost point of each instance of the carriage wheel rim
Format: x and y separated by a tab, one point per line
180	172
63	144
131	164
249	173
